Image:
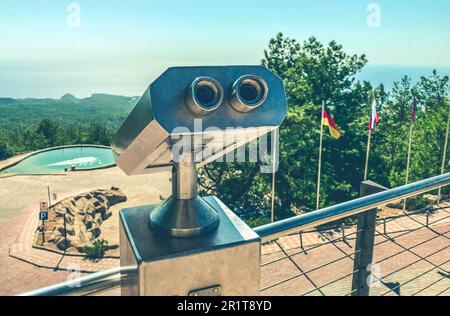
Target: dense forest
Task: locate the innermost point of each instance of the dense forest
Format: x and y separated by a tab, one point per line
312	72
31	124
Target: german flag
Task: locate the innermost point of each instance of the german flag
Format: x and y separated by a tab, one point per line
327	120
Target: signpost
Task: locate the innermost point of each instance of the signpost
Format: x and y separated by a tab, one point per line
43	216
43	206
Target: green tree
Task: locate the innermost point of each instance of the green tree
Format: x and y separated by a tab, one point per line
5	152
34	141
429	132
98	134
51	131
312	72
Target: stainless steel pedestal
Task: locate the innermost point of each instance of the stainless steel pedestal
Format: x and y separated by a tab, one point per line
224	262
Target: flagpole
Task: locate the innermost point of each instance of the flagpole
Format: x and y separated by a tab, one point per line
444	157
274	157
320	156
366	170
411	129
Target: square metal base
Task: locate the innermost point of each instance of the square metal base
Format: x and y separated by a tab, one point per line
227	260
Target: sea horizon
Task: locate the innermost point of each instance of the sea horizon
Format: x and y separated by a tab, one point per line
19	83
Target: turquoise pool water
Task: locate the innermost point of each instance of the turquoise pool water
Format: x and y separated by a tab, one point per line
56	160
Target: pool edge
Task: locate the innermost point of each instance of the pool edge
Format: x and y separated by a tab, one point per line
59	147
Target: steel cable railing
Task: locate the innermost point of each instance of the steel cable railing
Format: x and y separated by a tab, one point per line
347	209
410	249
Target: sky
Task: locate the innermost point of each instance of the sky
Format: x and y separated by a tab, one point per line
121	46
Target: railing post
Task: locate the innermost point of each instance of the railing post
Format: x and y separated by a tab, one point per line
365	239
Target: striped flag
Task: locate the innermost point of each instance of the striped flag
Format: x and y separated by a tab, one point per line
413	112
375	119
327	120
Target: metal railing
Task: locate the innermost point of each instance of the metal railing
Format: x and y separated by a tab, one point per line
105	280
409	261
92	284
331	214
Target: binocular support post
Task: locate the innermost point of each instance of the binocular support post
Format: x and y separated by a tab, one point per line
217	259
185	213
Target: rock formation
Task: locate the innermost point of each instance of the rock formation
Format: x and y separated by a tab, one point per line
84	215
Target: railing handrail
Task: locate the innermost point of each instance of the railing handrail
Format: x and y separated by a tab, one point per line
108	279
93	283
340	211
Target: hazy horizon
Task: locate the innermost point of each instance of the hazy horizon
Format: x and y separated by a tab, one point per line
50	48
28	84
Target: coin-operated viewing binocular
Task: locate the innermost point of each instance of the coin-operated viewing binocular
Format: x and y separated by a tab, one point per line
234	105
187	118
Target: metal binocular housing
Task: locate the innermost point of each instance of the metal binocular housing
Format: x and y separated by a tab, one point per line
191	116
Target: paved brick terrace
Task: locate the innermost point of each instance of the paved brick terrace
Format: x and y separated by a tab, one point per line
413	259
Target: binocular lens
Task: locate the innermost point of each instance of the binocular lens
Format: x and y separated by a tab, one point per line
204	95
249	92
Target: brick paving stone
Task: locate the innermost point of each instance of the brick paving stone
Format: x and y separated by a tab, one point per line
429	284
436	244
443	229
340	288
267	259
445	293
294	287
347	247
289	242
412	279
441	257
315	293
384	250
332	272
402	224
317	257
397	262
277	272
415	238
270	248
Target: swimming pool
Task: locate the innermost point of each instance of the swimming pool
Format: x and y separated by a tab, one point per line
59	159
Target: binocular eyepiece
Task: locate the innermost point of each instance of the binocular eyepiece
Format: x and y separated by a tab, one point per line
228	106
206	94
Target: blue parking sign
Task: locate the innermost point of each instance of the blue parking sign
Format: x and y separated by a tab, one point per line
43	216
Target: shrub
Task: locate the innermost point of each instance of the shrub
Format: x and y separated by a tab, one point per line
97	250
256	222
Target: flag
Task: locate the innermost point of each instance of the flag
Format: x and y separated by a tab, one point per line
413	112
327	120
375	119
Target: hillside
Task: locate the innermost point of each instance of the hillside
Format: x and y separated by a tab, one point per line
17	115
